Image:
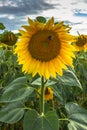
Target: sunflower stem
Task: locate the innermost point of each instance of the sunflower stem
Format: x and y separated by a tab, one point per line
42	95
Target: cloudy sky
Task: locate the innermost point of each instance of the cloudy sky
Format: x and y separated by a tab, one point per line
14	13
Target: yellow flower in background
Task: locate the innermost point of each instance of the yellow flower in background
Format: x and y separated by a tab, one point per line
81	42
48	94
45	48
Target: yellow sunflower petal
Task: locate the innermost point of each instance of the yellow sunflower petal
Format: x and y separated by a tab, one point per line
49	24
31	22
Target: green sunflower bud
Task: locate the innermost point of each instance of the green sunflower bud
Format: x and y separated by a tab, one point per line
8	38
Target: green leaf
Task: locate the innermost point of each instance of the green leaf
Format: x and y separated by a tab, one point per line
11	113
41	19
73	126
67	87
20	80
42	124
2	27
29	119
77	116
38	82
69	79
52	119
34	121
50	82
57	93
17	90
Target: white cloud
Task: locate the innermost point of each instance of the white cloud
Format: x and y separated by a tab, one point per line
11	17
7	3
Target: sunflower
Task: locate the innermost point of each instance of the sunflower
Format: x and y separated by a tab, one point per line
8	38
81	42
48	95
45	48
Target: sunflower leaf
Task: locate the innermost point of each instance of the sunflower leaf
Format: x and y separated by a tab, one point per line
69	79
17	90
77	116
11	113
34	121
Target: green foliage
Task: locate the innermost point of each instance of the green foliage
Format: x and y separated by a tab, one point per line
80	64
9	69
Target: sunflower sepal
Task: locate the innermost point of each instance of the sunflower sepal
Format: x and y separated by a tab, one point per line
41	19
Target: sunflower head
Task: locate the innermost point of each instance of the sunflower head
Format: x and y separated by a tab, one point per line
48	95
44	47
81	42
8	38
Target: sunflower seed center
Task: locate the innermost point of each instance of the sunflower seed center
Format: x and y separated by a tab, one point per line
44	45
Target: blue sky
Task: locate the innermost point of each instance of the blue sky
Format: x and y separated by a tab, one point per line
14	13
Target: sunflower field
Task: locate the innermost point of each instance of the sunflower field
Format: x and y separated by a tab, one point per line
43	77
